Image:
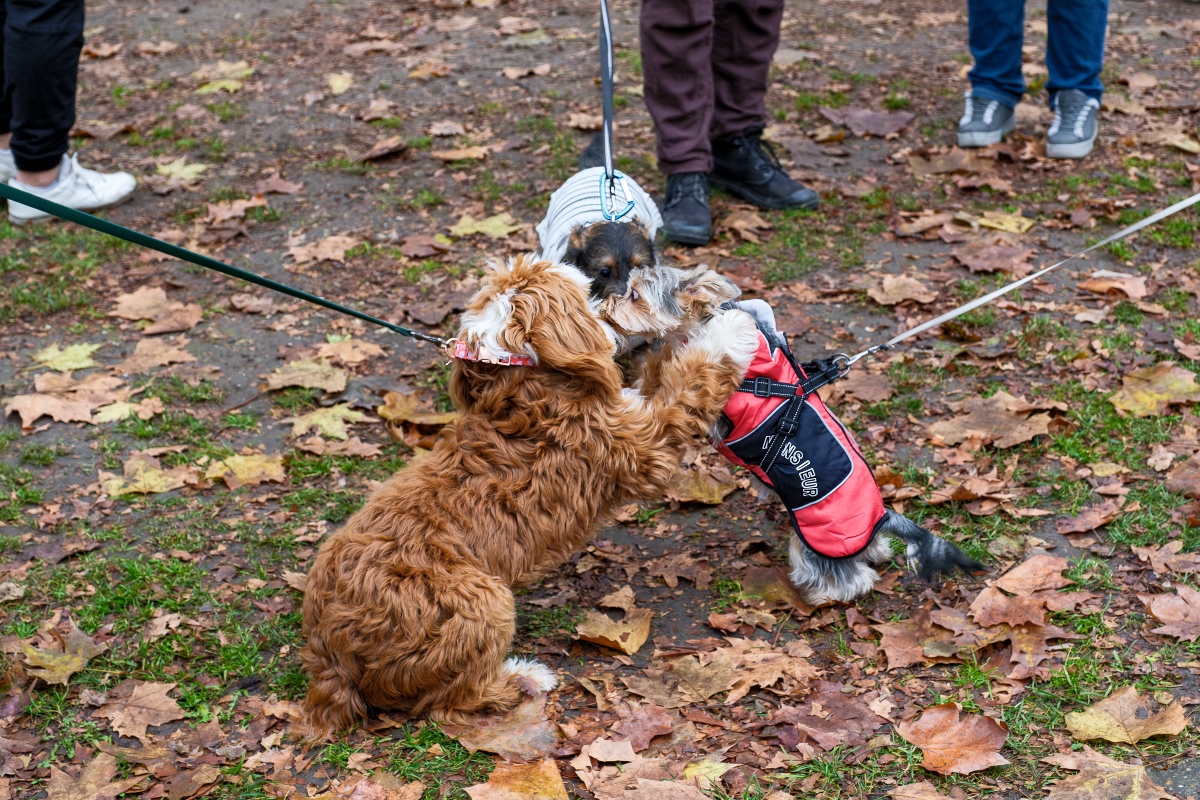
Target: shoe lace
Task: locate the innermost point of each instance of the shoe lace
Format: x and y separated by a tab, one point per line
761	150
81	174
1072	111
686	186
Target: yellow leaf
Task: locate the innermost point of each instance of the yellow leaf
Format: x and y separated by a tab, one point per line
1151	391
309	374
224	69
1011	223
247	470
496	227
115	412
179	168
626	635
538	781
331	422
339	82
222	85
403	408
708	773
475	152
1123	717
77	356
57	666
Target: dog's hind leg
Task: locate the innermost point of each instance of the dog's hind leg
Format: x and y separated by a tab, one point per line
821	580
927	553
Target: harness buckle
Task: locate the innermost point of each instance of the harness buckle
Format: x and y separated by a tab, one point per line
786	428
762	386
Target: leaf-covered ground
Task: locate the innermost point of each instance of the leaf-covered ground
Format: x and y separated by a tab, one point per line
189	441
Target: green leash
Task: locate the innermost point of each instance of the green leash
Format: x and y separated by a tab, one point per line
134	237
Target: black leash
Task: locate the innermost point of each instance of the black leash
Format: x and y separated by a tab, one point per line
134	237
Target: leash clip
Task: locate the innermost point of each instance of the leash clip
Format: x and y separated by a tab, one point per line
608	196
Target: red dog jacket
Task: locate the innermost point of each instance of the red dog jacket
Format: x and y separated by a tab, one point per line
779	429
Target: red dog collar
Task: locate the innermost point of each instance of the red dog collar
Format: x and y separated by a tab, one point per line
463	352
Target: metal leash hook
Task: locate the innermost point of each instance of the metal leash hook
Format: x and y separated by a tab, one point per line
611	181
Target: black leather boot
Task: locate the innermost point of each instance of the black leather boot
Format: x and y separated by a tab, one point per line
686	218
748	167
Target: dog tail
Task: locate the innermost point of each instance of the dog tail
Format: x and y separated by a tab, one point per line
927	553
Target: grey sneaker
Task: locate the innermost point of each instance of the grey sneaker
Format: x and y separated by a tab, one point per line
1073	132
984	122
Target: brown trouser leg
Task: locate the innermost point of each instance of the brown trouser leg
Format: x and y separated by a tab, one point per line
705	64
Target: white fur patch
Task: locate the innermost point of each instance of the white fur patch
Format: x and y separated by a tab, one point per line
485	326
852	579
731	333
541	675
573	273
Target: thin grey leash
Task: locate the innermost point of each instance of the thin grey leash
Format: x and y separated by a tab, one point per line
987	298
615	200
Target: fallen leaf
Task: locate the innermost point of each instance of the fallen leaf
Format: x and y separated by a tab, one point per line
232	210
430	69
1009	223
472	153
224	69
142	705
954	743
747	224
101	50
523	734
833	718
1037	573
150	353
1151	391
1101	777
1185	478
622	598
147	48
707	773
626	635
917	791
331	248
584	122
699	486
58	665
32	407
99	129
655	690
900	288
924	222
679	565
331	421
175	318
993	607
114	412
993	255
143	474
1090	518
240	471
934	19
1168	558
1109	283
399	407
608	750
1140	82
388	146
1160	459
181	171
310	374
95	781
189	783
351	447
643	724
422	245
537	781
1125	717
992	420
516	73
704	681
867	122
339	82
76	356
350	351
646	789
495	227
1180	612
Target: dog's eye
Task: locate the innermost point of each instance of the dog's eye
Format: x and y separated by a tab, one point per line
605	273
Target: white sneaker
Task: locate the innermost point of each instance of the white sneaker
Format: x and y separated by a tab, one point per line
8	167
77	187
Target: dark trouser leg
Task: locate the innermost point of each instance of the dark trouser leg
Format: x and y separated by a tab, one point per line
996	30
42	40
745	36
677	43
1075	49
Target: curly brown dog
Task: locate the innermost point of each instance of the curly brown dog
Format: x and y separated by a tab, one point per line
409	606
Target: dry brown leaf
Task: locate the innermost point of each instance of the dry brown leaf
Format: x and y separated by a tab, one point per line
275	184
331	248
747	224
1090	518
523	734
992	420
310	374
399	408
868	122
704	681
954	743
351	447
831	717
388	146
350	352
1160	459
175	318
680	565
1168	558
584	122
95	781
1101	778
644	723
957	160
699	486
139	706
1180	612
994	255
1150	392
622	598
1039	572
626	635
1107	282
151	353
993	607
900	288
1125	717
917	791
1185	478
232	210
56	666
655	690
331	421
32	407
143	303
537	781
473	153
516	73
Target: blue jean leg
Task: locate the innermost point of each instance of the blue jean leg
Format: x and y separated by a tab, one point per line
996	31
1075	50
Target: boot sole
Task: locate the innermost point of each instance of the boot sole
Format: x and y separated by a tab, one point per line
761	200
984	138
685	237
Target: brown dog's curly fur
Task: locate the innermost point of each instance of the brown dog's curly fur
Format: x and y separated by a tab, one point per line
409	606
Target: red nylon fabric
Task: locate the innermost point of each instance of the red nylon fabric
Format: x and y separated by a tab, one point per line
840	524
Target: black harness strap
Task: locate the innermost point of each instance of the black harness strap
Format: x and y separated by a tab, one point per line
819	373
